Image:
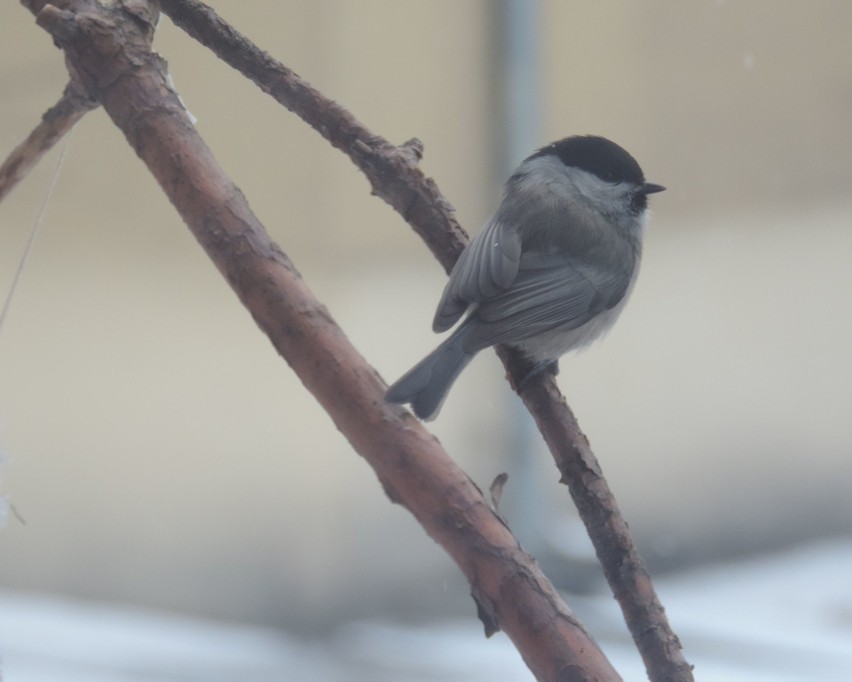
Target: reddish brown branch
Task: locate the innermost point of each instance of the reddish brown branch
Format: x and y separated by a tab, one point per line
392	171
108	52
394	177
57	121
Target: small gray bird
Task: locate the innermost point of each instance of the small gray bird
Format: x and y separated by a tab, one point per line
549	272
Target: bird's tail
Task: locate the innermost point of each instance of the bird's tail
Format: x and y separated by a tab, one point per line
426	385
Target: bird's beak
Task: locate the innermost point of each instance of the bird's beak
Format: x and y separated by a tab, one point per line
651	188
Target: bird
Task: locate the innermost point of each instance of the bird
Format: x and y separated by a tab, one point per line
548	273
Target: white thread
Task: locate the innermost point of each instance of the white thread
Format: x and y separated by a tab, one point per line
39	220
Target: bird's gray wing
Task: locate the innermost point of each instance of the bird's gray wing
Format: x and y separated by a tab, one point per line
549	291
486	267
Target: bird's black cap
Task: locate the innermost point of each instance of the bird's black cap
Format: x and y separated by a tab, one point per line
595	155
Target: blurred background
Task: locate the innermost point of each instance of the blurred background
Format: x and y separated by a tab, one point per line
159	454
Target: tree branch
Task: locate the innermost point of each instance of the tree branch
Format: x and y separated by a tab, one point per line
392	171
108	52
395	177
57	121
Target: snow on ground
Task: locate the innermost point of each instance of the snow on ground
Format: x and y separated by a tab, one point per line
782	618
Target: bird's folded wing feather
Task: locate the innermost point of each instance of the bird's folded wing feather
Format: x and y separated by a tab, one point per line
548	292
488	266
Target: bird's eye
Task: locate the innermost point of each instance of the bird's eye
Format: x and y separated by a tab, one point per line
638	202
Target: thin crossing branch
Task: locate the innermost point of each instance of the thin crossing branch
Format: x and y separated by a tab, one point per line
395	177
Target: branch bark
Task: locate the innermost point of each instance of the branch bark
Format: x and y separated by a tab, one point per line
394	176
57	121
108	53
392	171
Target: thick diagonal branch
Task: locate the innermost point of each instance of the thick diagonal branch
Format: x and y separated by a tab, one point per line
107	49
395	177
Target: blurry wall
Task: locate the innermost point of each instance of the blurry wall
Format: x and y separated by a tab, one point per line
160	453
